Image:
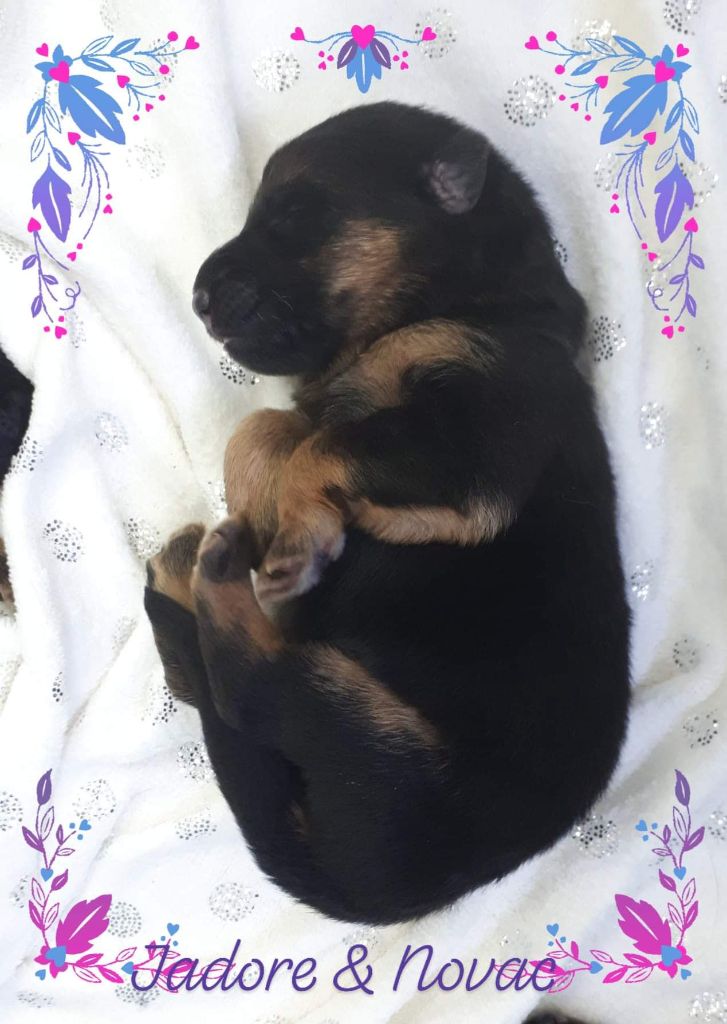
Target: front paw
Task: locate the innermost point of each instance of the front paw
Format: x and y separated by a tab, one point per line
297	559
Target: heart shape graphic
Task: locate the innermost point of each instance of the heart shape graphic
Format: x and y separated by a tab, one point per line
650	137
669	954
128	967
691	225
532	44
71	256
428	34
73	138
662	73
191	44
595	967
172	928
684	972
363	36
57	955
679	872
40	974
642	826
60	331
602	80
61	72
682	50
652	257
322	65
107	209
552	929
123	81
574	106
614	208
34	225
298	33
84	826
43	50
403	65
669	332
46	873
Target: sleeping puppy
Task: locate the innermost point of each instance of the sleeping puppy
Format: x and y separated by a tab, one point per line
423	682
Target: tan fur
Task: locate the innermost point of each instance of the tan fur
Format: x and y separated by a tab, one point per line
255	457
174	563
308	477
369	697
426	524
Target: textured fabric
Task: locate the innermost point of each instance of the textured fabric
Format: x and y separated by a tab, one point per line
133	405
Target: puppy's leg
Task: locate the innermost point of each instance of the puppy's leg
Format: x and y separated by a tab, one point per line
255	457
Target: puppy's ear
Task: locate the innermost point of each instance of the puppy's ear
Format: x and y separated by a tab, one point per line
456	176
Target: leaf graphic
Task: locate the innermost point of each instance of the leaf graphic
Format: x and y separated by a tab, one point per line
639	975
84	922
690	891
674	193
62	159
51	915
30	837
696	837
37	146
583	69
85	975
634	108
380	53
141	69
680	824
615	976
33	115
52	193
691	915
642	924
93	110
698	262
43	789
124	46
29	261
629	46
601	956
89	959
347	52
98	44
686	142
126	954
46	823
627	65
665	880
691	303
673	116
35	307
636	958
59	881
691	113
675	915
562	983
35	915
97	64
36	892
52	117
110	975
600	46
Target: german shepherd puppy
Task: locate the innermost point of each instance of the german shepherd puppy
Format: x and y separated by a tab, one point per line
424	680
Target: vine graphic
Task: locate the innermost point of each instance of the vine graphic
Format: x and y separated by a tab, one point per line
652	109
364	51
71	123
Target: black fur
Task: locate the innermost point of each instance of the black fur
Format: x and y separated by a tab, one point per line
516	650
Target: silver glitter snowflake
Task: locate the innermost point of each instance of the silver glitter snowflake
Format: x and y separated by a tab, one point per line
440	21
701	177
596	836
143	537
95	800
685	653
606	171
11	810
701	729
195	825
28	455
717	825
709	1008
641	579
235	373
651	425
231	901
57	688
160	704
560	251
148	157
110	432
678	13
722	88
657	279
64	539
36	1000
122	631
276	70
136	997
528	100
605	338
193	761
366	935
124	919
597	28
76	329
8	670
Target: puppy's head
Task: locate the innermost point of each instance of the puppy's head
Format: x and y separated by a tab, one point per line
353	227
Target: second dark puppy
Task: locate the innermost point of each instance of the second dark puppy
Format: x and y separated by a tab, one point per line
442	689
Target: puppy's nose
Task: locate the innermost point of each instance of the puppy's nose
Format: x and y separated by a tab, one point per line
201	301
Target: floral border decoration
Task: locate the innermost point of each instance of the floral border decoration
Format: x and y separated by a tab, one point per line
638	110
649	929
74	110
364	51
656	945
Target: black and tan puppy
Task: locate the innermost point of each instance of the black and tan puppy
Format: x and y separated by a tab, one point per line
427	682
